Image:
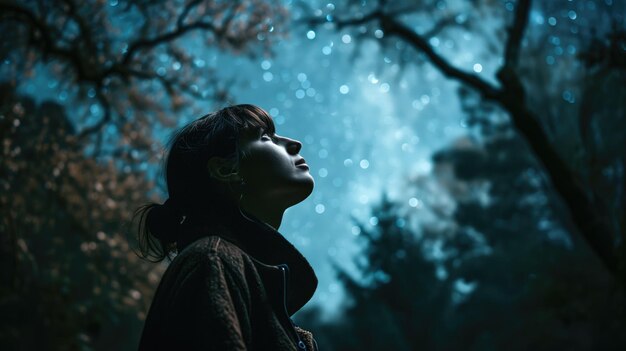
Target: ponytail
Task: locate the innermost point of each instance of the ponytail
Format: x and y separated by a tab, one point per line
159	229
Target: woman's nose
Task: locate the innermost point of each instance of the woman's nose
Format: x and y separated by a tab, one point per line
293	146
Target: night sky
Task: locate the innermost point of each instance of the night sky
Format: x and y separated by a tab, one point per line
368	123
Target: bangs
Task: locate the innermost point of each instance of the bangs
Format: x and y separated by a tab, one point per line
250	119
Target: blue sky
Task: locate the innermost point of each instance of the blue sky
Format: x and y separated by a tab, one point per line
365	129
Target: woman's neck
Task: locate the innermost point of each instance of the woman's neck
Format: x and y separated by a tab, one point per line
273	219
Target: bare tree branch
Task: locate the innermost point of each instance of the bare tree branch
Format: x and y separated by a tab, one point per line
516	33
41	34
163	38
439	26
86	55
181	19
358	20
392	26
106	117
591	224
343	23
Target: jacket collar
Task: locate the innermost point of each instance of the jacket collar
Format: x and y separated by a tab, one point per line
267	247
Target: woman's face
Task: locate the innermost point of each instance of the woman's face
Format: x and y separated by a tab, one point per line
273	169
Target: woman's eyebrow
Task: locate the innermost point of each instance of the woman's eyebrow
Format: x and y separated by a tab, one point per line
267	130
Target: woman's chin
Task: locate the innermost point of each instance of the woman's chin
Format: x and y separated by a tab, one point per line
310	187
303	189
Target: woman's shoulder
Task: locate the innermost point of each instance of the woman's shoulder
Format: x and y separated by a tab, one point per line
213	248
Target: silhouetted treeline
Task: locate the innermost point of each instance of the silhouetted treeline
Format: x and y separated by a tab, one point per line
529	254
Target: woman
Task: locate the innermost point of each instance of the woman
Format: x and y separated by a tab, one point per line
235	280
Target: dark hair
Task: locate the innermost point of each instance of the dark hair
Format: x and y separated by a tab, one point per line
194	196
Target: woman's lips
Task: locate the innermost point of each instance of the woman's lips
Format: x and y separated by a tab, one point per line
302	162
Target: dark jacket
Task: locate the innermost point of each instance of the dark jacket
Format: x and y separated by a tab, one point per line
232	288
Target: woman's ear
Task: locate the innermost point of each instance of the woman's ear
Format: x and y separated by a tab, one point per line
222	169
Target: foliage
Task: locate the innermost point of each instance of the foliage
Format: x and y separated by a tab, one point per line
397	301
127	64
509	276
534	269
70	280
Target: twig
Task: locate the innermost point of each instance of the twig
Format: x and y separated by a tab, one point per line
106	106
163	38
516	33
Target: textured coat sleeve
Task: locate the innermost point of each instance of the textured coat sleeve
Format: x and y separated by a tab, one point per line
212	309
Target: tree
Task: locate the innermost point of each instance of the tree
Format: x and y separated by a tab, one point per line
75	165
396	301
398	21
69	278
514	272
504	272
534	276
128	63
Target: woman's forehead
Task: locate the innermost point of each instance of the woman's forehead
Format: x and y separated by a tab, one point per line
250	133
